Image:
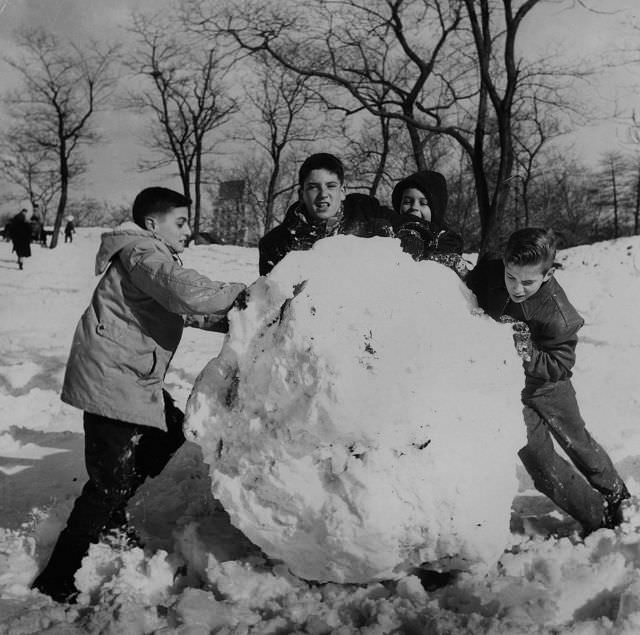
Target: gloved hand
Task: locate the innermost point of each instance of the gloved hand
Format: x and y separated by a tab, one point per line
416	238
447	242
521	337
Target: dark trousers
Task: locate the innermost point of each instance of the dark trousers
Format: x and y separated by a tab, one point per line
119	456
580	489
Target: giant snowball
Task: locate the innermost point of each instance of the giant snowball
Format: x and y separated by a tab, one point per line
362	417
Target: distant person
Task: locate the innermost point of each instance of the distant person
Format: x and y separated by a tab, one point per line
521	288
69	230
420	202
42	235
115	373
20	233
36	227
323	209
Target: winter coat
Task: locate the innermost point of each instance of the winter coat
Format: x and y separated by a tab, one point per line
20	234
422	238
419	237
552	321
361	215
36	228
69	228
127	336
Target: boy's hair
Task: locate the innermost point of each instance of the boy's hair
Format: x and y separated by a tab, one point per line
321	161
156	200
531	246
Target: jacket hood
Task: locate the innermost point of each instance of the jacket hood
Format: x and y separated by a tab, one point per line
433	185
112	242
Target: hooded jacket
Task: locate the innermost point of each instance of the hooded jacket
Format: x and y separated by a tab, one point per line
434	187
127	336
424	238
362	215
552	320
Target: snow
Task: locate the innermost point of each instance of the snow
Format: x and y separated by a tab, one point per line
342	426
200	574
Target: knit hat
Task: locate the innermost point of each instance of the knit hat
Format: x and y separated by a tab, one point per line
432	184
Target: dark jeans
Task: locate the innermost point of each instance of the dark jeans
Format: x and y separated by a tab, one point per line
119	456
552	413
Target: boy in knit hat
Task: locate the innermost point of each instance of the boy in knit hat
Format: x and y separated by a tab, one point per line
420	201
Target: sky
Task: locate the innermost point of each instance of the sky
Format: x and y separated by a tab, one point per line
112	176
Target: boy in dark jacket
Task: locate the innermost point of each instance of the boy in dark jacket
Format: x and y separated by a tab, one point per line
323	209
521	288
121	350
420	202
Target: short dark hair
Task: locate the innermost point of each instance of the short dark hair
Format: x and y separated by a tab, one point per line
156	200
321	161
531	246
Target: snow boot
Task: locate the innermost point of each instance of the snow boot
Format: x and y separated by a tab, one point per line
61	590
613	517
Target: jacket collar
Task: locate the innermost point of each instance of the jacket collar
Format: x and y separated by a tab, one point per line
532	305
296	217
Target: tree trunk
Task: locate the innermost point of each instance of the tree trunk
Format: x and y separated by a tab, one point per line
636	214
186	190
615	201
197	195
384	154
64	187
271	189
416	141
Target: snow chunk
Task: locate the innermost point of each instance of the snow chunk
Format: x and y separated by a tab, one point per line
347	433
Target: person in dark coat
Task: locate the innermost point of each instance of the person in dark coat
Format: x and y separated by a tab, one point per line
420	204
521	289
69	230
20	234
36	227
323	209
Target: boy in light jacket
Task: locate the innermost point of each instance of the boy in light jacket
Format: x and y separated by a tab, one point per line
120	353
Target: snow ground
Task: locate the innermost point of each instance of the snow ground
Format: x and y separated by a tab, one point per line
199	575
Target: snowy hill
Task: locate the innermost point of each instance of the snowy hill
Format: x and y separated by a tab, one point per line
198	574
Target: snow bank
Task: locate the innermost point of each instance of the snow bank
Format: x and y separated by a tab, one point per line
345	417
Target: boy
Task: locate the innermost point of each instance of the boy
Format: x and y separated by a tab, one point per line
119	356
420	202
522	288
323	209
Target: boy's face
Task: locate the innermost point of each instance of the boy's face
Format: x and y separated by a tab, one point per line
523	281
414	202
172	227
322	194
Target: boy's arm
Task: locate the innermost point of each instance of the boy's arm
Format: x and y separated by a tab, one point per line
267	260
446	242
214	322
177	289
553	359
478	279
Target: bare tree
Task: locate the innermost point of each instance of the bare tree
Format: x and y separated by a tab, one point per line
63	87
187	97
288	118
447	67
32	169
613	185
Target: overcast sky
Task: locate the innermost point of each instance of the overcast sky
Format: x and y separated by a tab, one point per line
113	176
